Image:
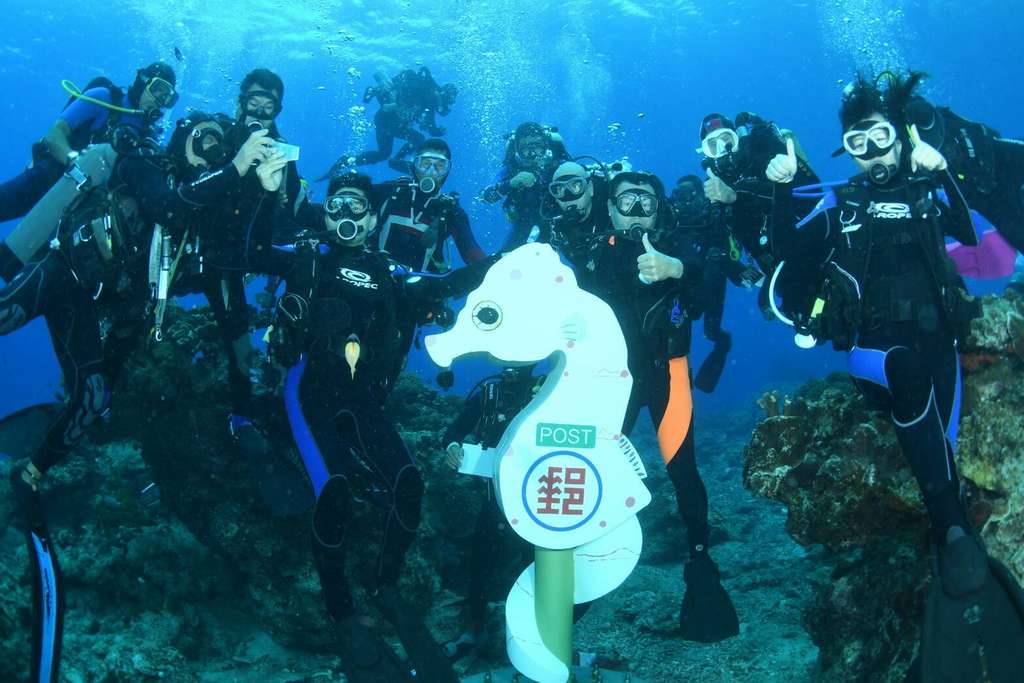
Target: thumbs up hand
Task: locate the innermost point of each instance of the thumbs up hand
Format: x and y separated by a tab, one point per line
717	191
782	169
653	266
924	155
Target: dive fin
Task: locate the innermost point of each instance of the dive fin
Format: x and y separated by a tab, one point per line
338	166
365	657
429	662
973	636
712	367
707	614
23	431
47	606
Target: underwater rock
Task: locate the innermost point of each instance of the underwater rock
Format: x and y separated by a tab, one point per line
839	471
163	588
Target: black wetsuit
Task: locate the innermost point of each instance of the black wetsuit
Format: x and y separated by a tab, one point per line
413	227
488	410
336	302
73	286
655	320
875	256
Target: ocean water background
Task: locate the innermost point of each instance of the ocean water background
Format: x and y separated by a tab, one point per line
618	77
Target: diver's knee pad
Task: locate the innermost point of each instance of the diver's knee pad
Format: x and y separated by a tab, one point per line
409	497
332	512
93	403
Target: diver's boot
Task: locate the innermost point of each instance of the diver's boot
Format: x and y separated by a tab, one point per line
973	626
707	614
365	657
427	657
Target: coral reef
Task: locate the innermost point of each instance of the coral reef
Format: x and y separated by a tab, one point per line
202	583
836	466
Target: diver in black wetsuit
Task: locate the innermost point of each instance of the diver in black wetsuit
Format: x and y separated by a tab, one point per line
416	219
869	272
721	262
648	274
488	410
106	262
337	327
409	100
532	154
738	159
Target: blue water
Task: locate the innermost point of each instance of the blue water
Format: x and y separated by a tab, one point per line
653	68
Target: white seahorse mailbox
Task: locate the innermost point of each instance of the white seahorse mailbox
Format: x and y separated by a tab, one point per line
567	480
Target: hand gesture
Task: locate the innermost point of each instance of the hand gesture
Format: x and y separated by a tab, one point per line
653	266
255	149
782	168
271	171
717	191
924	155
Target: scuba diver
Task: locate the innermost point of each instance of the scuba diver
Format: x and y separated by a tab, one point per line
721	262
580	194
869	272
110	260
647	273
737	158
337	329
410	100
103	113
416	219
260	102
532	154
988	167
489	408
231	237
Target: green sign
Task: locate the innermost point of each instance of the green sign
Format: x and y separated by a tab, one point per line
563	436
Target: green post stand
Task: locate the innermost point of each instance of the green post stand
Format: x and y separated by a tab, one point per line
554	581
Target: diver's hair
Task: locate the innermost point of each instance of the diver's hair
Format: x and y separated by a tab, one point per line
266	79
864	97
144	75
435	145
354	180
638	178
691	178
665	215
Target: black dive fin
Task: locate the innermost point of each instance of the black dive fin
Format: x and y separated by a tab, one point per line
974	637
22	432
47	608
282	487
365	657
707	614
429	662
711	369
337	167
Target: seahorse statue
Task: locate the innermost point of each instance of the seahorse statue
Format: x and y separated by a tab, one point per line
565	476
